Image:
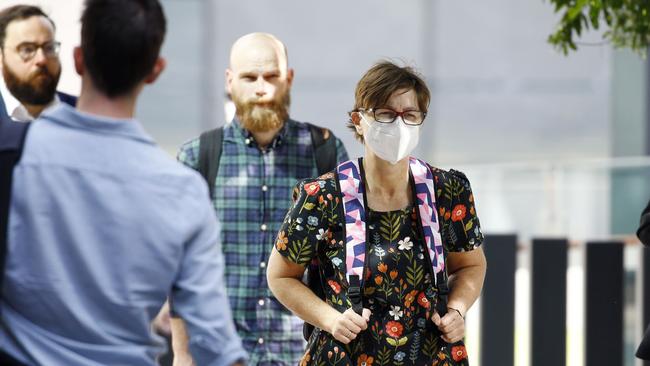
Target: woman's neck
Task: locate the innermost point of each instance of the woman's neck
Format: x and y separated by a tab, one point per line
387	185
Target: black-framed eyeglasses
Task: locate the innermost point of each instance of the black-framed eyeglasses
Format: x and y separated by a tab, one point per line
387	115
27	50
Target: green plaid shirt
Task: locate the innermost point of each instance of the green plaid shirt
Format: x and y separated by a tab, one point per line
251	197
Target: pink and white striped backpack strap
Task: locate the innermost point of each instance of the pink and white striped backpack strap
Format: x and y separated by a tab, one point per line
426	201
349	177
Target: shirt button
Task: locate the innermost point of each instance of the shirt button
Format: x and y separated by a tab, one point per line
247	141
265	188
260	341
262	264
261	302
263	227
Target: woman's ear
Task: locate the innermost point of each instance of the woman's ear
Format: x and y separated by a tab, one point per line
355	117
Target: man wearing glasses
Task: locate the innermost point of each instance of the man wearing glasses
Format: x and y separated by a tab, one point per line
30	63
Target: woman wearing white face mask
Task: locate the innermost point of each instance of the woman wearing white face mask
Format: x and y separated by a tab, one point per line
394	244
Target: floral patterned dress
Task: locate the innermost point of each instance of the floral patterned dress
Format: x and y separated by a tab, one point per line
398	285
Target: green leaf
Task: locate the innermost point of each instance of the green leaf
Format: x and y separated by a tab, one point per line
309	206
576	9
392	342
469	225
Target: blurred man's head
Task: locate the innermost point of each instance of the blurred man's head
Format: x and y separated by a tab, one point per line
259	81
120	45
30	54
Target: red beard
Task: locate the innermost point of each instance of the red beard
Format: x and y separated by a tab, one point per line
262	117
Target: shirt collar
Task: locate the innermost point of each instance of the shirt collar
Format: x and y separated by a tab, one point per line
15	109
246	137
64	114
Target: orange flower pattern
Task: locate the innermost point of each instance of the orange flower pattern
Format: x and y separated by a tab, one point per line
458	353
398	286
394	329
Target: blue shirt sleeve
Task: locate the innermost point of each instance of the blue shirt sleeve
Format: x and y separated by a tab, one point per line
199	294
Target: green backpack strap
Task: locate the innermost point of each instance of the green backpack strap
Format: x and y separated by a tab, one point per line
324	145
210	143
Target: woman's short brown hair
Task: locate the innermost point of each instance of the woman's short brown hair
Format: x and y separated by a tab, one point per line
381	81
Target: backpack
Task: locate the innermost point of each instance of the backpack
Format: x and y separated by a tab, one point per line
324	146
211	142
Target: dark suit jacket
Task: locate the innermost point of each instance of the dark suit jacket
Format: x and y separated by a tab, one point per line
644	235
65	98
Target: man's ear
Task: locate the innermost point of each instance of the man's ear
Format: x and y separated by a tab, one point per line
229	76
78	56
158	68
289	77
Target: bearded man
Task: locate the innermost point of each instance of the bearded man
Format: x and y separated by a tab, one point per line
262	154
30	63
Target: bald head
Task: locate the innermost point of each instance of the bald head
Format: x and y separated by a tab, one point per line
258	47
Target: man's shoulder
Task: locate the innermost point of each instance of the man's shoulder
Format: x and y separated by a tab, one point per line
326	132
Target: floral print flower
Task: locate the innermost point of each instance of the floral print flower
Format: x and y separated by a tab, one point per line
281	242
399	356
405	244
458	353
312	188
458	213
394	329
337	262
395	312
393	274
365	360
335	286
424	301
382	267
312	221
409	298
321	234
379	280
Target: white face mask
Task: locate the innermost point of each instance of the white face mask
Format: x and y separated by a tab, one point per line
391	141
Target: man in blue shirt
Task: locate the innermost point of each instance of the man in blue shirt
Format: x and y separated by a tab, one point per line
103	225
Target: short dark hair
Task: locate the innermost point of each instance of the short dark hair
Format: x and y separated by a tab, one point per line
18	12
381	81
120	42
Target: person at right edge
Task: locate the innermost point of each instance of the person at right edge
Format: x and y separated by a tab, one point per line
385	231
644	235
